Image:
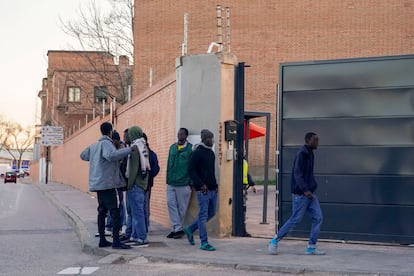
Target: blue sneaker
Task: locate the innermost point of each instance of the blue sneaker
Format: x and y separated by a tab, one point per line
313	251
207	247
273	246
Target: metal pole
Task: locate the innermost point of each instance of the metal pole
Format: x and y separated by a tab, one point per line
246	141
278	213
266	170
47	165
184	45
219	27
227	29
238	216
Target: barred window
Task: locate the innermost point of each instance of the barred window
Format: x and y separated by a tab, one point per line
101	93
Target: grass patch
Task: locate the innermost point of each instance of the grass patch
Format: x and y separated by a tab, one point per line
270	182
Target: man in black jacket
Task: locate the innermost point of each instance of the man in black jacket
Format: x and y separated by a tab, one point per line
201	169
303	186
155	169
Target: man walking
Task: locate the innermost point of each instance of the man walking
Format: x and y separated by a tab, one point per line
202	172
303	186
178	181
104	179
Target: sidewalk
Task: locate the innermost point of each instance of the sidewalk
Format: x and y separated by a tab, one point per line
240	253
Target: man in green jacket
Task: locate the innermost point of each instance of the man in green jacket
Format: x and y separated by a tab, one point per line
178	181
137	172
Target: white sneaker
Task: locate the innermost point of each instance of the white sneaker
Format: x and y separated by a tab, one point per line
314	251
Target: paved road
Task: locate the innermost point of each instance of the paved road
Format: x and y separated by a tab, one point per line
37	240
34	238
254	216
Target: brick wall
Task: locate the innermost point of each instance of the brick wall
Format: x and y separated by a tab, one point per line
154	112
266	33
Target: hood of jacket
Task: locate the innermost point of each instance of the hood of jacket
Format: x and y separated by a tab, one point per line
134	133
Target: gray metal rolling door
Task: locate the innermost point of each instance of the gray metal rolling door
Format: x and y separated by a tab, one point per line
363	112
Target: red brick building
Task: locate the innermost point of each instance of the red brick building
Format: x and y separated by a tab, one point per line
266	33
81	85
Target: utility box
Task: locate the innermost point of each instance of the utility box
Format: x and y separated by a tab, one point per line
230	130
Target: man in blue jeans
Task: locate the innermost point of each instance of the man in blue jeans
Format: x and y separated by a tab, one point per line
303	186
137	172
201	168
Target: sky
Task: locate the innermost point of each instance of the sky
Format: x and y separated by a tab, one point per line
28	29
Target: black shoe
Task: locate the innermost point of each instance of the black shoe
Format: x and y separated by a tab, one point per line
129	241
124	239
120	245
140	244
179	234
105	243
171	235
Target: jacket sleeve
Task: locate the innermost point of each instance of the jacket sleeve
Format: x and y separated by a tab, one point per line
85	154
110	153
155	168
298	173
170	164
193	170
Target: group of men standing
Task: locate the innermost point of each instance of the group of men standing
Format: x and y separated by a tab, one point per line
131	166
114	166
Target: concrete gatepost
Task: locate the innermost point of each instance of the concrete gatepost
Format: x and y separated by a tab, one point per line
205	99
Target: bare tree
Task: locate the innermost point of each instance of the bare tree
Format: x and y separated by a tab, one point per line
111	32
18	140
3	132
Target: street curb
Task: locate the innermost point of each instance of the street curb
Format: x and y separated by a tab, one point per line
262	268
80	228
88	245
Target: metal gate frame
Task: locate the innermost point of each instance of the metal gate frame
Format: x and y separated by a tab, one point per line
240	115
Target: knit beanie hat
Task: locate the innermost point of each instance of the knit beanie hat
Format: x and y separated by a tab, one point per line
205	134
134	133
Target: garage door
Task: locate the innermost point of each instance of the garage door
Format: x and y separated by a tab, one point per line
363	112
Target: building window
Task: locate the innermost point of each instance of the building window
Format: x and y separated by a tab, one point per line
73	94
101	93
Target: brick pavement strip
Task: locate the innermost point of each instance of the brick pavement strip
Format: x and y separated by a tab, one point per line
239	253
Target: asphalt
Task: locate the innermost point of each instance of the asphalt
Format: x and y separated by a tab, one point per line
240	253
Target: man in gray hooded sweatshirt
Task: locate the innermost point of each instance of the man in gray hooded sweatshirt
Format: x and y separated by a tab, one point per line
104	178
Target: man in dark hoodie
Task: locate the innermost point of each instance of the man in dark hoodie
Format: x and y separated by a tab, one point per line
201	169
155	169
303	186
